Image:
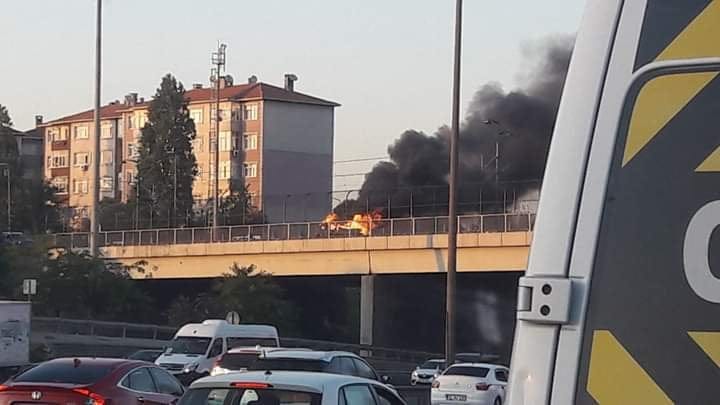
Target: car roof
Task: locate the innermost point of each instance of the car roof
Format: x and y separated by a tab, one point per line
262	349
305	381
307	355
478	365
99	361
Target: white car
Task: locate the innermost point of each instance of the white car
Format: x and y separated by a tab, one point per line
470	384
288	387
427	372
239	359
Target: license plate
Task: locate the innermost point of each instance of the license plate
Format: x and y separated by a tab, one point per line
455	397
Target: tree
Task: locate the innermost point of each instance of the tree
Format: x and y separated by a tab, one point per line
34	205
76	285
253	294
237	209
5	120
167	165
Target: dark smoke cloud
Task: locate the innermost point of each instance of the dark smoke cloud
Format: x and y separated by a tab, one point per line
526	117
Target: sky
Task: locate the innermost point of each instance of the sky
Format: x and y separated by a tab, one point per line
388	62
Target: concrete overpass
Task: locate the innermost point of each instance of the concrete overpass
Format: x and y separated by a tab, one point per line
397	246
486	243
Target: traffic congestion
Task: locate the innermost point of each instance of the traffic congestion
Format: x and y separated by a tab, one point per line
211	363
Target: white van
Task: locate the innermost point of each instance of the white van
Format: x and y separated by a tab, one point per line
621	300
196	346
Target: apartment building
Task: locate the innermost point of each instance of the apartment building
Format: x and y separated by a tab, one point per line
275	140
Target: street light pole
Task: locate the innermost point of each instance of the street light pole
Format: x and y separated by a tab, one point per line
6	172
96	137
452	198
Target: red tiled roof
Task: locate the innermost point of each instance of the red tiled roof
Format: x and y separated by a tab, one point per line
255	91
108	111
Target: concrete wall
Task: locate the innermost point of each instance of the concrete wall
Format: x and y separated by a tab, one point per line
297	159
347	256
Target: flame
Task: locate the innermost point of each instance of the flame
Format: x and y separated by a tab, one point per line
364	222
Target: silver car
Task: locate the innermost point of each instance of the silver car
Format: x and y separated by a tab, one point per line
427	372
288	387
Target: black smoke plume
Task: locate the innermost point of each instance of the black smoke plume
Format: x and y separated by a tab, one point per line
518	123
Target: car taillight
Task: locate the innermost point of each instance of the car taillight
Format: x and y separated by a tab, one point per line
482	386
4	388
250	385
217	361
93	398
436	384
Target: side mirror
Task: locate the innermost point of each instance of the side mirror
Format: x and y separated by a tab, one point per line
386	379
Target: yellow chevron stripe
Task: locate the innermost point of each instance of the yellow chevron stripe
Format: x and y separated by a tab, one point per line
659	101
711	163
699	39
709	342
616	378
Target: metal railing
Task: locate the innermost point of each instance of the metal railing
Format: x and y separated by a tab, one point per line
295	231
125	330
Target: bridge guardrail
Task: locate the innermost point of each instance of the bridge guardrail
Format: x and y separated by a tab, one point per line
166	333
293	231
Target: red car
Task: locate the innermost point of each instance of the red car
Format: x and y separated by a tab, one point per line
92	381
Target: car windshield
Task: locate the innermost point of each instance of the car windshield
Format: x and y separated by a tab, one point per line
237	361
251	341
469	371
230	396
145	355
189	345
78	372
289	365
431	365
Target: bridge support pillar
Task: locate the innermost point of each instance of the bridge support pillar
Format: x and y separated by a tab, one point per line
367	309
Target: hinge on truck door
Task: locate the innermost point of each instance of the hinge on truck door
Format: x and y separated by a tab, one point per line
544	300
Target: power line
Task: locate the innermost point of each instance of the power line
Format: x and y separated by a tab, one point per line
350	175
360	160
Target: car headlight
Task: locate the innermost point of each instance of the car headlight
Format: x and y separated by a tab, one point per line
414	373
436	375
218	371
190	368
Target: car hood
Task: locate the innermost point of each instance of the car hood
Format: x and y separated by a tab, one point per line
427	371
178	358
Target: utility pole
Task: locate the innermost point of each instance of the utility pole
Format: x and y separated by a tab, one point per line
96	138
6	172
218	59
452	198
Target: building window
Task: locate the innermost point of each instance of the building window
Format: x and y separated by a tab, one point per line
106	157
80	186
58	135
81	159
250	112
133	152
106	131
250	169
64	133
249	142
224	170
52	134
197	116
225	141
81	133
142	120
60	184
59	159
106	183
197	144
